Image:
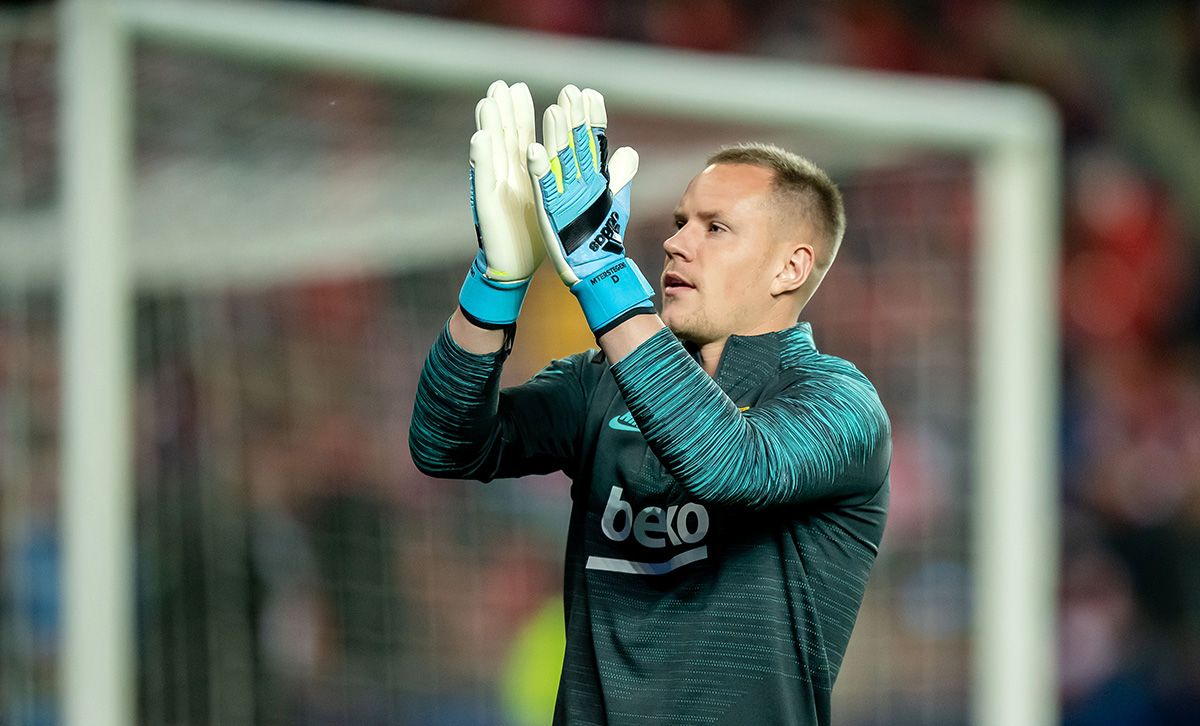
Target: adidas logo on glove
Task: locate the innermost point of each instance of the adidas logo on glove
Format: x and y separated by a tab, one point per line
610	236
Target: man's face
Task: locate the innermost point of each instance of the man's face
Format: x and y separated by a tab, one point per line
723	257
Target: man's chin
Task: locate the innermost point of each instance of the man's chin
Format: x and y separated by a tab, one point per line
685	327
680	332
672	320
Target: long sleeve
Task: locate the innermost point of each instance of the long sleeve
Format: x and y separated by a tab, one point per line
464	426
825	436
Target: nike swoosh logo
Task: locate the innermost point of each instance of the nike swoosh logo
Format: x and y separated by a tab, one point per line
624	422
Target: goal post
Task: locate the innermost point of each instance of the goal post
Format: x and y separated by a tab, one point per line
96	665
1010	133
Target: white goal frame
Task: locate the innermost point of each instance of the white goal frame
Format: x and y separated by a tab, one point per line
1011	133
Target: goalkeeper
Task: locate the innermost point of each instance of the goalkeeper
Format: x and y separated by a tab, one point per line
730	482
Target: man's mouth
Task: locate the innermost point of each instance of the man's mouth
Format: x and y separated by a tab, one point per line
674	283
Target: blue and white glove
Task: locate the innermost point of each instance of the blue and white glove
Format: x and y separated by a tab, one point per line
502	204
583	208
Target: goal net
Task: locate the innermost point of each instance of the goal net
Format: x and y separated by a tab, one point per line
298	234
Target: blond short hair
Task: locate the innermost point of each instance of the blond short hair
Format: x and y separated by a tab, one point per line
802	183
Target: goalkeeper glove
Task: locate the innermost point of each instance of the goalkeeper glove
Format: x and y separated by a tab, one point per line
502	205
583	208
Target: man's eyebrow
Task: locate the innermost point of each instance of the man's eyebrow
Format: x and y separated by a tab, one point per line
704	215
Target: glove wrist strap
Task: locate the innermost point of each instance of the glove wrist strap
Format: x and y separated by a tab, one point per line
490	304
612	291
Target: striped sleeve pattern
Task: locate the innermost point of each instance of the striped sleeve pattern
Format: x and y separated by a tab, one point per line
819	439
454	425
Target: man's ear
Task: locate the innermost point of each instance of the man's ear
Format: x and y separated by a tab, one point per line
796	269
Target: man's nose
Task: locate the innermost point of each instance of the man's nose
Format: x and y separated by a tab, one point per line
678	244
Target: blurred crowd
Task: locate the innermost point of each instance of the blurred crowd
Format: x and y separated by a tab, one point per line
294	568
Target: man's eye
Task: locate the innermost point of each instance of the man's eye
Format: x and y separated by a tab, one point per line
714	227
679	224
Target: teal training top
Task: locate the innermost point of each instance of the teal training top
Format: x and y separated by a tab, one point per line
721	531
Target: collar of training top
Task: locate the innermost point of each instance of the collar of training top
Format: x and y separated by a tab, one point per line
749	360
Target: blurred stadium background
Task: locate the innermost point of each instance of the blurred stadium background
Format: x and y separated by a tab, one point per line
293	567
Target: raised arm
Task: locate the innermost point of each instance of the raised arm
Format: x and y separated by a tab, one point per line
824	437
464	426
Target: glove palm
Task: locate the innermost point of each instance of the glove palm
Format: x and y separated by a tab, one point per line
502	206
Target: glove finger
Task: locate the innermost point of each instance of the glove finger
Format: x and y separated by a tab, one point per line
499	92
488	114
483	161
479	113
571	100
568	96
569	170
544	176
523	116
597	118
499	154
549	130
541	173
622	167
554	139
597	114
537	161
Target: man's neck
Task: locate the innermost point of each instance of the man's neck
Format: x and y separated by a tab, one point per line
621	340
710	352
710	355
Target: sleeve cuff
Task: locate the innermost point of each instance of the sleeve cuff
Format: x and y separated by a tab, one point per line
484	364
646	354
